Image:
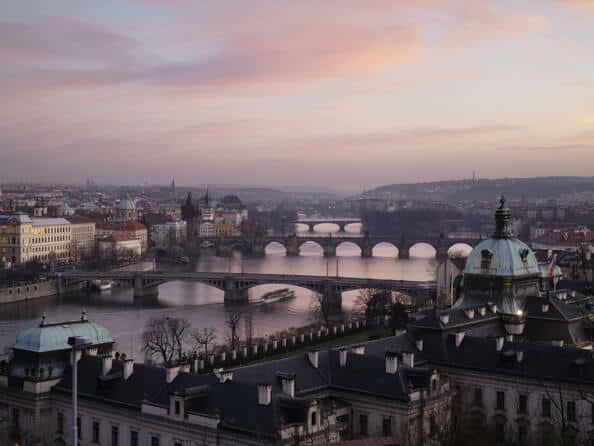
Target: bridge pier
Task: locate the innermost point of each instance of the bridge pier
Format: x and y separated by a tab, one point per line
258	250
292	247
366	250
341	227
404	252
142	289
310	228
331	299
442	252
234	294
329	250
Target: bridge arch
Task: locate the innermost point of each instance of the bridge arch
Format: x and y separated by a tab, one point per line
347	248
423	249
384	249
349	227
312	248
325	227
459	250
275	247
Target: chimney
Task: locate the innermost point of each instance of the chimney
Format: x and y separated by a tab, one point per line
343	354
492	307
499	343
128	368
419	345
264	394
459	338
107	363
544	308
482	311
171	373
289	386
313	357
408	358
519	356
444	318
391	363
469	312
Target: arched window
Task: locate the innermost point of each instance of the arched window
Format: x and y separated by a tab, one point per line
486	258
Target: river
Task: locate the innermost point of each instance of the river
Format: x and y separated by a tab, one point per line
203	306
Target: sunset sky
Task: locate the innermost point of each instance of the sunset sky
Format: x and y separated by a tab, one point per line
336	93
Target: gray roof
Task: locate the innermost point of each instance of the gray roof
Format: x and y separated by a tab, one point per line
50	221
16	218
236	401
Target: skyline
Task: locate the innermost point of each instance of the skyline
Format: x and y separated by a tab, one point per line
145	90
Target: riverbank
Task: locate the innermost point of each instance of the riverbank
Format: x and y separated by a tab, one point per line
28	290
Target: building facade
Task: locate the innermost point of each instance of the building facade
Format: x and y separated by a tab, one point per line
24	239
83	244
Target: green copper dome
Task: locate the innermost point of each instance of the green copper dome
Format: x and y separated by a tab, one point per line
502	254
54	337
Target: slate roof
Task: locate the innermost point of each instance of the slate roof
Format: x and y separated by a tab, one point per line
541	361
236	401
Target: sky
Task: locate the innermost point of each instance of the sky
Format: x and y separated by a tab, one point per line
342	94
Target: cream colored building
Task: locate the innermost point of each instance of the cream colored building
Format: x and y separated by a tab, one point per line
23	239
82	238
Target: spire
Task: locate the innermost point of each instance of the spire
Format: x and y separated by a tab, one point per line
503	221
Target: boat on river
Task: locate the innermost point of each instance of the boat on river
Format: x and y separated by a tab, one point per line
277	296
101	285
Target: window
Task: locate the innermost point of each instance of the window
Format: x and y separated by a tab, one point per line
363	424
546	408
177	443
478	396
115	436
314	418
154	440
499	432
78	428
500	400
486	258
523	404
177	407
571	411
60	423
522	435
96	432
387	427
592	414
15	418
133	438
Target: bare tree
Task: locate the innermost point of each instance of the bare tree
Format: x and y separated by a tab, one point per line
165	337
203	338
320	308
232	321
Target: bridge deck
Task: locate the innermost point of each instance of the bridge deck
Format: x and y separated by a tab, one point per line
289	279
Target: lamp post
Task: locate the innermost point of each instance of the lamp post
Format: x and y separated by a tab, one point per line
78	344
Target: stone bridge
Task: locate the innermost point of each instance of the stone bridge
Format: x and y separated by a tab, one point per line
366	243
236	285
342	223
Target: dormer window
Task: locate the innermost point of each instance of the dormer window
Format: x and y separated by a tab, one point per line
486	258
524	254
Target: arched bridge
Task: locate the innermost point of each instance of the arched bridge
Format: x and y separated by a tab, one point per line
236	285
366	243
342	223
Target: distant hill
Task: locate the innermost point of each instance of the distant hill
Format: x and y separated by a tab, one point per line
531	189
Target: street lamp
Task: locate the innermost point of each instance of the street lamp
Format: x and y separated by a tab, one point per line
78	344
